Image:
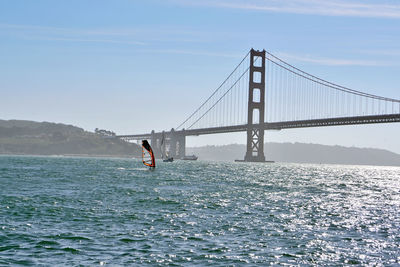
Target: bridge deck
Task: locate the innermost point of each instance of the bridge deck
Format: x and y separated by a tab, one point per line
388	118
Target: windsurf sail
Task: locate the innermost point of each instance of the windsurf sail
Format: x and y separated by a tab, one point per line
147	155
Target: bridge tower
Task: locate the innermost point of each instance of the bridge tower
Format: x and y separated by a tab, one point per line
256	108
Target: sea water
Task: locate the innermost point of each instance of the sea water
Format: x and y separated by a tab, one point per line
96	211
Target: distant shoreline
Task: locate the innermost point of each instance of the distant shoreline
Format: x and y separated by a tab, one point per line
70	155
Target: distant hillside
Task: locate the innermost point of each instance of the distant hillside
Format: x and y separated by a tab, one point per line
45	138
302	153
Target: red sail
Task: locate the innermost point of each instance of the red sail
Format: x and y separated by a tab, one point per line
147	155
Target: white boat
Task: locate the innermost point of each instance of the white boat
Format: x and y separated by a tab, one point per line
190	157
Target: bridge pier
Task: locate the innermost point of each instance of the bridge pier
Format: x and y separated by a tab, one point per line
155	143
162	141
181	145
172	144
153	140
175	143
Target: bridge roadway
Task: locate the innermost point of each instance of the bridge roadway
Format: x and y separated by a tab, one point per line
278	126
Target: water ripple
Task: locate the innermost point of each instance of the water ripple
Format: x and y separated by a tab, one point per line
73	211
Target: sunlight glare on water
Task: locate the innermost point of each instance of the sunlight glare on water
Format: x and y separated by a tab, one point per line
95	211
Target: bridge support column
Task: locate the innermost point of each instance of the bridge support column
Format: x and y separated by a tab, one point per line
154	143
158	148
256	108
162	143
172	144
181	145
153	140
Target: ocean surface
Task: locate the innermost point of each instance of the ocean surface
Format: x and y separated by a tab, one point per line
100	211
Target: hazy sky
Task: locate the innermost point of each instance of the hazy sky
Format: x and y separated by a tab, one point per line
133	66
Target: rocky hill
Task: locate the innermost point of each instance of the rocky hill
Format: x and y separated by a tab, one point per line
45	138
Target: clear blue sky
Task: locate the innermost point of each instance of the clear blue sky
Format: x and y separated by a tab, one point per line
92	63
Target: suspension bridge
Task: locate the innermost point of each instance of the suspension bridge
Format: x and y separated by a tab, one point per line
263	93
